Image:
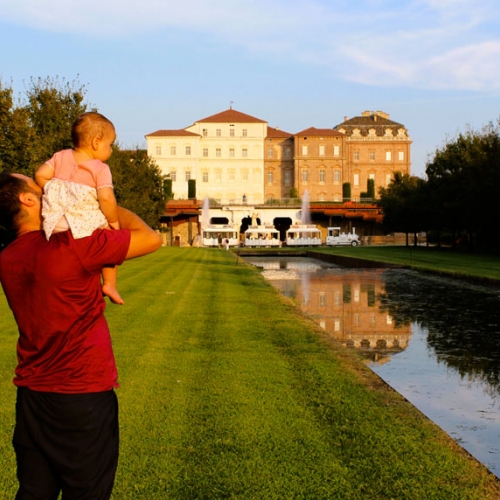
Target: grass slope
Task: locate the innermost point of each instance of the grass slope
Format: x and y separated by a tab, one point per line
445	260
227	391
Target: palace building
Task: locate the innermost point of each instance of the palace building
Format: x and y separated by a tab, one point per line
238	159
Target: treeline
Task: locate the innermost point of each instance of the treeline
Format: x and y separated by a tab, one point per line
37	123
459	202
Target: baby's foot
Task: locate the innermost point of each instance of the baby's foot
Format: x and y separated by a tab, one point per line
113	294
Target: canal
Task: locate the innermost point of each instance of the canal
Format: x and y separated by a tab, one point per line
434	340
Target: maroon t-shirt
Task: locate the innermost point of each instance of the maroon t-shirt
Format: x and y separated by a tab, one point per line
53	288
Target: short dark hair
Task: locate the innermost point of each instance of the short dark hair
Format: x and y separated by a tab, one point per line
88	126
10	206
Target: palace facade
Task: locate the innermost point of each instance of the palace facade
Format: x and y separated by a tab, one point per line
238	159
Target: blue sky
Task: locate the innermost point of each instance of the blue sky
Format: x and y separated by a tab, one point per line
433	65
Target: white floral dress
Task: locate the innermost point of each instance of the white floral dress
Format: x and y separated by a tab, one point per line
77	202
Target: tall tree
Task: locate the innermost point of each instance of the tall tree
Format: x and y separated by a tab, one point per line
52	108
39	123
138	184
403	204
466	174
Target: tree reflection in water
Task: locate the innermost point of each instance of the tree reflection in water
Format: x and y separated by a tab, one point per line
463	320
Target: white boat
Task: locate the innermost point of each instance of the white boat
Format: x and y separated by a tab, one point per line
335	237
303	235
262	236
211	233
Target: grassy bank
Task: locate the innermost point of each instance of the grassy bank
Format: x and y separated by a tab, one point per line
227	391
446	260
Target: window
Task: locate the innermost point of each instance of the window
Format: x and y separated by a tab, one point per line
356	179
231	132
288	152
336	176
304	150
205	176
187	175
188	150
388	179
356	155
173	175
244	152
388	156
205	132
231	174
270	152
287	178
401	156
371	176
218	152
231	152
158	150
218	132
244	175
372	155
218	176
336	150
173	150
305	175
322	150
244	132
322	176
270	177
205	152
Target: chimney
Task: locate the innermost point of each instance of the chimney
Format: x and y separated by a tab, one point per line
346	118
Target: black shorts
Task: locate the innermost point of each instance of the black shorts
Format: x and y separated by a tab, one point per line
66	442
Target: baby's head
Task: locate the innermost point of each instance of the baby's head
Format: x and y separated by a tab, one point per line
89	126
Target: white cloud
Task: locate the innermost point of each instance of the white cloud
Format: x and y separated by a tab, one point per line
440	44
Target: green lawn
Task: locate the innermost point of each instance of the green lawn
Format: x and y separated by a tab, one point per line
227	391
445	260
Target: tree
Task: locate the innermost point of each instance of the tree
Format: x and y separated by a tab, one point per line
138	184
403	204
39	124
16	135
346	191
167	188
465	175
191	189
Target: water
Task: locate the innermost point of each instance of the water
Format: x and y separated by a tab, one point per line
435	340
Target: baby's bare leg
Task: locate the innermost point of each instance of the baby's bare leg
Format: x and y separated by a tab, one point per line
109	275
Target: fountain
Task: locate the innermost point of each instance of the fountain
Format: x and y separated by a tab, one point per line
212	232
304	233
305	212
205	213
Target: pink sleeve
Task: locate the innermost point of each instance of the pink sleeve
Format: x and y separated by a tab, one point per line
103	177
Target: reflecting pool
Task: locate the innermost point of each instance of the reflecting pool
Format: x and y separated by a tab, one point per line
435	340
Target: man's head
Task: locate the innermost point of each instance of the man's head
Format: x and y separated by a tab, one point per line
16	193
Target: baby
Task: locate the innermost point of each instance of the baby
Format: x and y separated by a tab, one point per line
78	188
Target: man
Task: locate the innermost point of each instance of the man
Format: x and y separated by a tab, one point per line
66	434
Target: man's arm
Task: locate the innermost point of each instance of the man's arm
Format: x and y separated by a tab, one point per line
143	239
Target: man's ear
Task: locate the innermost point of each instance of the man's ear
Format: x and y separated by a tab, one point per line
28	199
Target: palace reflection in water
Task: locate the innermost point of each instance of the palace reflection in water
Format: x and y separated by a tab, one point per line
435	340
344	302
